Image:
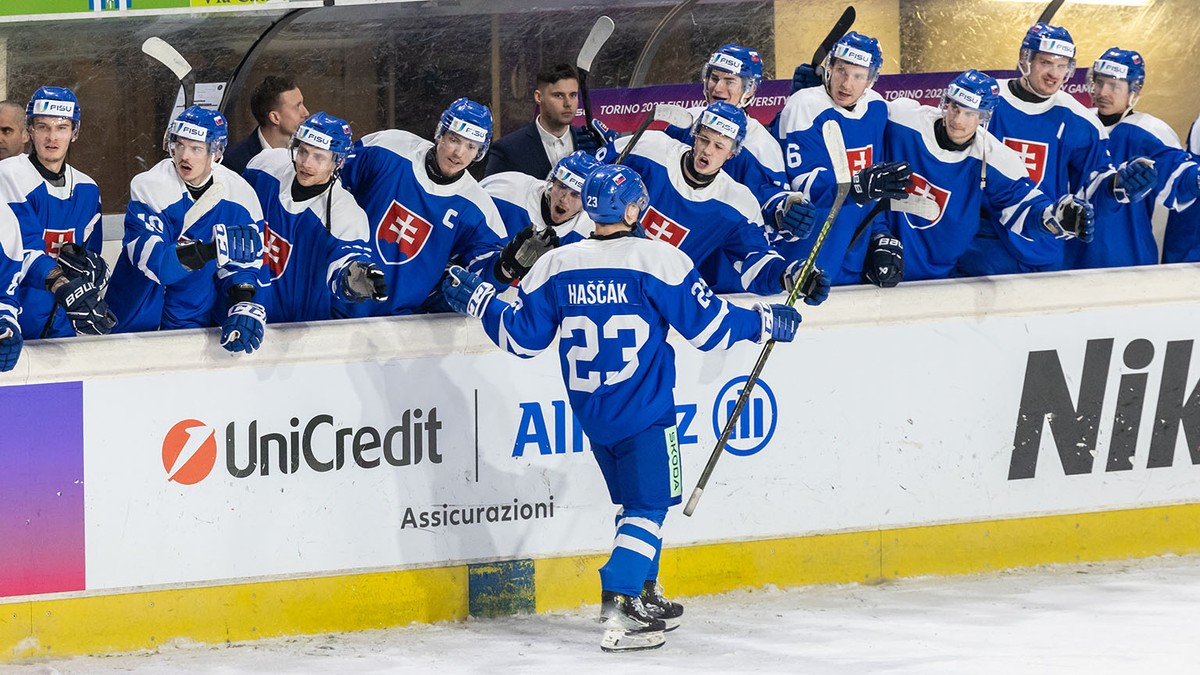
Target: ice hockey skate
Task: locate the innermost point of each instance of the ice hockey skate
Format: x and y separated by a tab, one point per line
627	625
660	607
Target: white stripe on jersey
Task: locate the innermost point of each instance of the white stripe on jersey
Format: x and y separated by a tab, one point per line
349	221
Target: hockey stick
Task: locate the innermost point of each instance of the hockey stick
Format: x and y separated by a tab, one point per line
158	49
670	113
601	31
841	170
918	206
206	202
839	30
1051	9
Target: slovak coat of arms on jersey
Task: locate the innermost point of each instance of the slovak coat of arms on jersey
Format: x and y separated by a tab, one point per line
401	234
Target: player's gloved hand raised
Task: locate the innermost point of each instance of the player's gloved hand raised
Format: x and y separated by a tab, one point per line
523	251
10	345
85	308
237	243
77	262
244	326
1134	180
794	217
361	280
590	139
1070	216
465	292
814	289
885	261
779	322
879	181
805	76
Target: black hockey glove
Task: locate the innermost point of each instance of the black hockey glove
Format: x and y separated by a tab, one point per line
885	261
85	308
1070	216
77	262
879	181
523	251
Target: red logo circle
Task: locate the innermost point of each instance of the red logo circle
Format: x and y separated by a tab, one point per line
189	452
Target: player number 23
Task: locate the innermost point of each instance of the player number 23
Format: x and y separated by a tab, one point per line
585	353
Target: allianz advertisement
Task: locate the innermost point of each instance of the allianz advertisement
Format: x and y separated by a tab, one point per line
308	469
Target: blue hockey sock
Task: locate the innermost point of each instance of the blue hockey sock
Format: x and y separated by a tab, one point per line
635	551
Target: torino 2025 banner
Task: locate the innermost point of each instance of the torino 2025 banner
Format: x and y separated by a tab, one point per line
302	469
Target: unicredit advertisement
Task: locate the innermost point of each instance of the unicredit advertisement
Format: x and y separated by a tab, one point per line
194	477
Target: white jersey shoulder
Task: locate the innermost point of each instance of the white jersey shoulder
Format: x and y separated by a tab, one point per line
667	152
648	256
237	190
803	107
515	187
347	220
403	143
1060	99
158	187
18	178
1155	127
275	161
10	234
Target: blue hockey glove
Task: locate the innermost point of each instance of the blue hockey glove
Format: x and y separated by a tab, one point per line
779	322
10	345
794	217
815	289
361	280
465	292
77	262
885	261
1134	180
1070	216
237	244
879	181
590	139
243	328
804	77
85	308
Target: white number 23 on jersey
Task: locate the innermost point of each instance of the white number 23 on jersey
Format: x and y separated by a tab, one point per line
586	352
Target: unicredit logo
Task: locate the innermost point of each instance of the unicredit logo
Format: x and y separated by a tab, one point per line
317	444
189	452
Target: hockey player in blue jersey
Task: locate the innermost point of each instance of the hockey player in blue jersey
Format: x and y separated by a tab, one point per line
611	300
316	234
1062	146
733	74
850	69
949	150
10	276
1124	232
192	253
58	208
702	211
426	211
552	205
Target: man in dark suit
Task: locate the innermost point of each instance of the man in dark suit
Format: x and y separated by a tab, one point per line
278	107
534	148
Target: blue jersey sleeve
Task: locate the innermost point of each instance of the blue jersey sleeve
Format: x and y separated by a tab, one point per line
147	246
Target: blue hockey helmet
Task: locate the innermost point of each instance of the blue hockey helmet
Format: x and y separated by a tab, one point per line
1121	64
1047	39
725	119
471	120
324	131
741	61
974	90
609	191
201	125
574	169
54	102
858	50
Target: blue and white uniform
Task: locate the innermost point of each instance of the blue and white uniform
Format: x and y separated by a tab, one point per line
952	179
306	242
418	225
759	165
11	256
809	171
50	216
519	198
1063	149
150	289
1125	232
722	217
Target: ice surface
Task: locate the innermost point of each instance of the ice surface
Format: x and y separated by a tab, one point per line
1133	617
